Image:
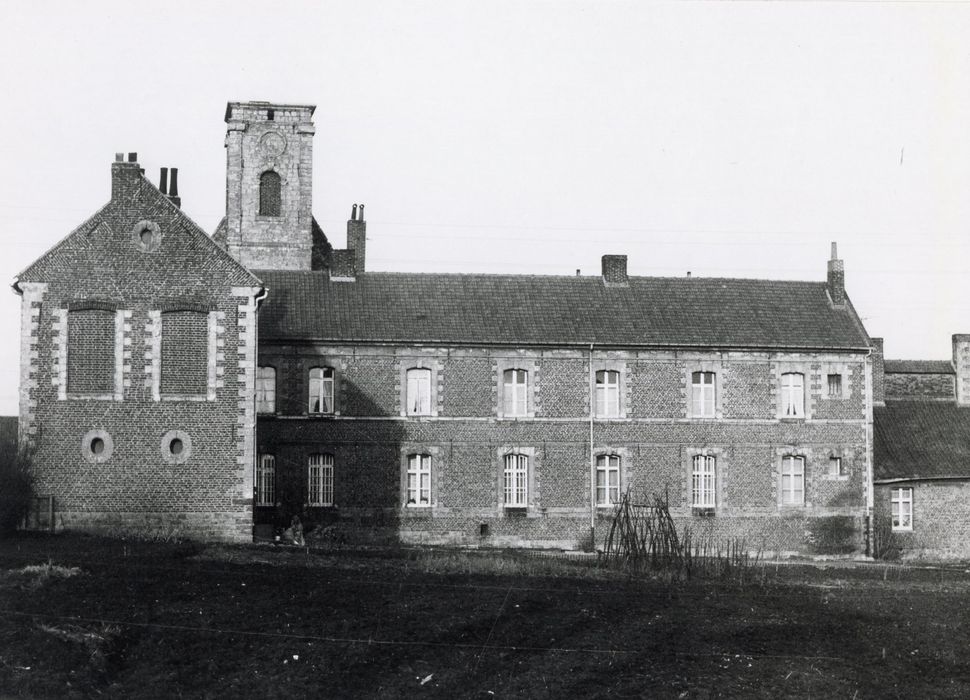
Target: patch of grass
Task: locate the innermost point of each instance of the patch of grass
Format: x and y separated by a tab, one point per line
503	563
253	621
33	576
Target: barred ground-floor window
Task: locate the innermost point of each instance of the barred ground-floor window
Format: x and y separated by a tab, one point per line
320	480
265	480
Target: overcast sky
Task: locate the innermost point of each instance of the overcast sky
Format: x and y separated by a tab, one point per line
728	139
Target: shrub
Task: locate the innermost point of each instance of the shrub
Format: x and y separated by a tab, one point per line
16	488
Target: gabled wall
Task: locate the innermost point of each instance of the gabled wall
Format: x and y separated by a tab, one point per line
152	451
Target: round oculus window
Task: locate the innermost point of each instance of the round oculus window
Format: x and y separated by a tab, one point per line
176	446
97	446
147	236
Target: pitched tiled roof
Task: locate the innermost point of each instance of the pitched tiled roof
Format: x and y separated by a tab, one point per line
919	367
921	439
525	310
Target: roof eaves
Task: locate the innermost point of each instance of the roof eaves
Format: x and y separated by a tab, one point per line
306	340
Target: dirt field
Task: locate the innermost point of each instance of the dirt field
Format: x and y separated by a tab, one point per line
86	617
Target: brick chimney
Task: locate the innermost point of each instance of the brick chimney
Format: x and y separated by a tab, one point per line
878	373
836	278
124	175
961	364
357	237
614	270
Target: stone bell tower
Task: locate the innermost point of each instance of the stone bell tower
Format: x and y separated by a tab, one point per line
269	183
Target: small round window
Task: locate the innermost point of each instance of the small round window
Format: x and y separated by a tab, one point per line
97	446
176	446
147	236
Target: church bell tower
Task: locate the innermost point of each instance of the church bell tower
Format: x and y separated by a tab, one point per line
269	184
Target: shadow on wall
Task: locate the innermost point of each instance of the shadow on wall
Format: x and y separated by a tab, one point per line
343	479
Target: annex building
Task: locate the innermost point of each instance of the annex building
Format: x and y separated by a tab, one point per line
213	383
922	453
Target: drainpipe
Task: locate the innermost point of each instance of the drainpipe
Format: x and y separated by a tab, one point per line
592	458
870	498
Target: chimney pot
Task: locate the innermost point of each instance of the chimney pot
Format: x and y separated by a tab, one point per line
577	272
353	213
163	181
614	270
119	157
132	157
174	185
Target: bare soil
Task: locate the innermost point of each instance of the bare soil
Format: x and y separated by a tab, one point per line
138	619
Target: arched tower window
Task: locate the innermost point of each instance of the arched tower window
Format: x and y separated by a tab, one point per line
269	194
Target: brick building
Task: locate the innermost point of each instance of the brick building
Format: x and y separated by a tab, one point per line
458	408
138	343
922	456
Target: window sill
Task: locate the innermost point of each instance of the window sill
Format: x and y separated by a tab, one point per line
199	398
902	529
416	512
90	397
792	419
835	477
318	416
703	511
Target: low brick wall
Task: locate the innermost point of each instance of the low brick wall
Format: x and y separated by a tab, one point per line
208	526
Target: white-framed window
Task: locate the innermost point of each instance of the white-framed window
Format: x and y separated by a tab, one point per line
516	392
607	393
418	489
418	391
704	481
265	480
836	468
266	390
320	480
792	480
835	386
702	390
902	509
321	390
607	479
516	481
793	395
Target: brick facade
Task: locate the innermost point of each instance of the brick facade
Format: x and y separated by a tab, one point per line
99	358
370	440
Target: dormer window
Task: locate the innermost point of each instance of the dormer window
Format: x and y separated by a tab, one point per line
269	194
